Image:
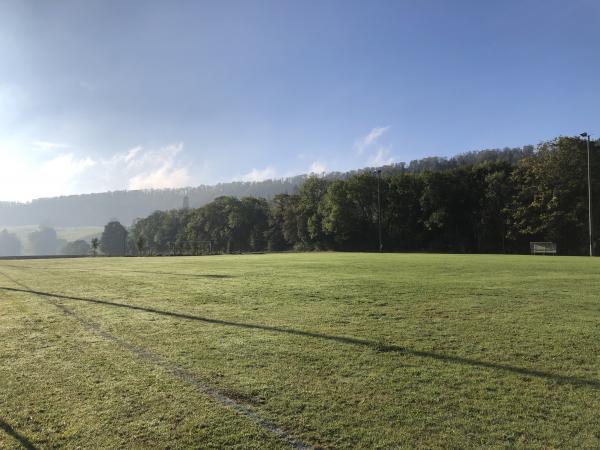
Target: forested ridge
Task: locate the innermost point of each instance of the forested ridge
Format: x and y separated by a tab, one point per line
98	209
487	201
494	202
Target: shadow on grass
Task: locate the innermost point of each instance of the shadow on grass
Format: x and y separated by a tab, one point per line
190	275
378	346
19	437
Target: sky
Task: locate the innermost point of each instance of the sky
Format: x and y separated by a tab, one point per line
109	95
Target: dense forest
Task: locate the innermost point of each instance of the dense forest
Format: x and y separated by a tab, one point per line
98	209
477	204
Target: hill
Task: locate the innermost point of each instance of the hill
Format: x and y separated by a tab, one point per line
98	208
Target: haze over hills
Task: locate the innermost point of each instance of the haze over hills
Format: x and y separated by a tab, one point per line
98	208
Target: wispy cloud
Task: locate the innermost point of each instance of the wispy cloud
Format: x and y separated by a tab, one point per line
267	173
372	151
370	139
130	156
381	157
153	169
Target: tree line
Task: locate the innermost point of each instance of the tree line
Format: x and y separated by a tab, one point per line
97	209
489	201
43	241
487	206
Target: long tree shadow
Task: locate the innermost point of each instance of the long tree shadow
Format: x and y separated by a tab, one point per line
18	436
573	380
190	275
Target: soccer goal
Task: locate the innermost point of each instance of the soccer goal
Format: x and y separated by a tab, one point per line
543	248
189	248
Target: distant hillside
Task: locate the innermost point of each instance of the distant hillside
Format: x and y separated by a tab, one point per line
126	206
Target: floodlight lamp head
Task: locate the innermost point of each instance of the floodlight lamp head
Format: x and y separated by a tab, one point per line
584	135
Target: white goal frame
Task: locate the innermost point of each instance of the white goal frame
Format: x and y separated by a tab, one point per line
543	248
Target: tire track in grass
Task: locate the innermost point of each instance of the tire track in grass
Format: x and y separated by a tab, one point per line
176	371
8	429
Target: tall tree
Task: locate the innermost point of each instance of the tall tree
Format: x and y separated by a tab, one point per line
550	201
339	218
310	225
283	230
402	214
78	247
10	245
95	244
140	244
114	239
496	203
44	241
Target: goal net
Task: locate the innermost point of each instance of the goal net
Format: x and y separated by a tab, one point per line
191	248
542	248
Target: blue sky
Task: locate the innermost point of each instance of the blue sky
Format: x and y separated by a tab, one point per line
101	95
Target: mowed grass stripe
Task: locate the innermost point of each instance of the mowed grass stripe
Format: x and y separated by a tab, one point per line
509	345
170	368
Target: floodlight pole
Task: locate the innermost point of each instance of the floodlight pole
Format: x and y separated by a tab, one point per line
378	172
589	180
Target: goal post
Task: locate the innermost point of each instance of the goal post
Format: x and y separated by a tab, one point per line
543	248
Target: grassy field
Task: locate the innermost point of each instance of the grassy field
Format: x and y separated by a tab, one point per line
319	350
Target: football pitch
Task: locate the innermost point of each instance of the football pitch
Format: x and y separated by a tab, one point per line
313	350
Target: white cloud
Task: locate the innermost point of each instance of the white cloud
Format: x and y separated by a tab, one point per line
131	154
381	157
25	175
163	177
46	145
317	167
151	169
20	180
267	173
370	139
65	165
372	150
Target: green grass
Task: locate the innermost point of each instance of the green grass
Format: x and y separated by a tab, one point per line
337	350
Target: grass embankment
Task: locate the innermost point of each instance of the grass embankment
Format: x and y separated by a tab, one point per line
329	350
